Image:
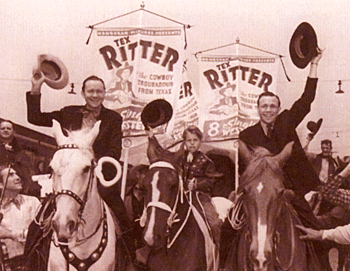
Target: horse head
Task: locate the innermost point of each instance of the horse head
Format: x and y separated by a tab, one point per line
74	181
163	190
263	194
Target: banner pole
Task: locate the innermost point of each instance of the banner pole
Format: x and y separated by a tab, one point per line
126	144
236	167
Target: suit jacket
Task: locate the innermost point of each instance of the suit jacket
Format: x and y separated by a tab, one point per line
300	176
317	164
109	139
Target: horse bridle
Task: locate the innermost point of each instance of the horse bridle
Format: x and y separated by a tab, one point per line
163	206
81	201
276	239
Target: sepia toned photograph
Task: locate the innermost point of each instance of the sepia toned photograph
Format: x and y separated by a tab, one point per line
173	135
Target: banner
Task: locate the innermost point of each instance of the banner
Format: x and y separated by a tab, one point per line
139	65
186	107
229	88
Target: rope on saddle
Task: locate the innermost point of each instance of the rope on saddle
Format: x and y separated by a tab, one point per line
236	215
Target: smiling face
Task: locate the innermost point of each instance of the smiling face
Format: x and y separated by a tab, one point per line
326	149
93	93
14	183
268	109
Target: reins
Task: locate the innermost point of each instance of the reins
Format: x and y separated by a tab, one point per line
173	216
292	254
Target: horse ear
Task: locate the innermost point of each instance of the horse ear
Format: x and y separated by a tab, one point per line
57	132
283	156
244	152
93	132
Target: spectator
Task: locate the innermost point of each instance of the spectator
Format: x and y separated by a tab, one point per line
18	212
323	163
11	153
341	197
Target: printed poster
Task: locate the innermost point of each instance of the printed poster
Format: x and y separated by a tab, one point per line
139	65
229	88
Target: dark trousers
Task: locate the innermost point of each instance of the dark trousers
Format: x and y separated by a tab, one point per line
112	198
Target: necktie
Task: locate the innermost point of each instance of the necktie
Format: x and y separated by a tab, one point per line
269	129
90	118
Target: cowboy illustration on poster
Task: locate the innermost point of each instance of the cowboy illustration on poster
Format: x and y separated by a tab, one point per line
227	103
122	92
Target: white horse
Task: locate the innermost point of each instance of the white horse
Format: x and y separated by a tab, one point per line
84	231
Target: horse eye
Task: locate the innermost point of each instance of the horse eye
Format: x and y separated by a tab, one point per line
86	169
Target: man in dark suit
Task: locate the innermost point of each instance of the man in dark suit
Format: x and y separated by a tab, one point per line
275	130
107	143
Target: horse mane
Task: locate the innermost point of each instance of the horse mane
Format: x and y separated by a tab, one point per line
262	163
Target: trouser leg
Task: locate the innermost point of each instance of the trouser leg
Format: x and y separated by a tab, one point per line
112	198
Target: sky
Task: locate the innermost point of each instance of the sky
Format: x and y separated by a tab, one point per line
29	28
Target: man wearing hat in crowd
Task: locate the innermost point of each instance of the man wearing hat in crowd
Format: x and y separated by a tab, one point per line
323	163
108	141
275	130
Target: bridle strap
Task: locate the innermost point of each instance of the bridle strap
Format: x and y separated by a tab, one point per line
67	146
71	193
292	234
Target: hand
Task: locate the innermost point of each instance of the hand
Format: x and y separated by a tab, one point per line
192	184
310	137
317	58
149	132
37	80
311	234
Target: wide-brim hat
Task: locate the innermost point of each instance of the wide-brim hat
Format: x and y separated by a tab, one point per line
54	71
303	44
156	113
126	67
314	126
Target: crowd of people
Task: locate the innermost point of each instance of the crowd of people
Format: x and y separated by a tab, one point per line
325	216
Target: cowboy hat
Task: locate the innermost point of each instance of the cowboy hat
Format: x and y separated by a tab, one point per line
126	67
156	113
303	44
54	71
313	126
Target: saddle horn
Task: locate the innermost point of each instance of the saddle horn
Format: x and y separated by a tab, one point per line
100	172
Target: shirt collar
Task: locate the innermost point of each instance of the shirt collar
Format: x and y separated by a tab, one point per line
96	111
17	201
